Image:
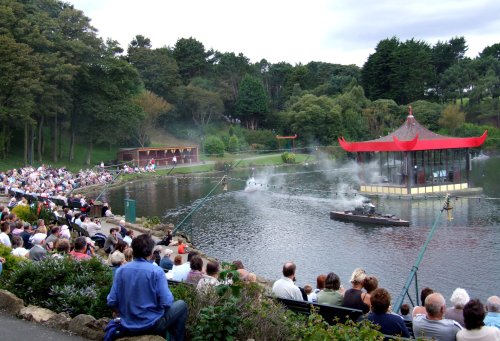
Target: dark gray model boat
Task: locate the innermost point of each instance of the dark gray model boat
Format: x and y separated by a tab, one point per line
366	214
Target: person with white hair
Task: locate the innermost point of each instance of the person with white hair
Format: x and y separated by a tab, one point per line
38	252
165	262
492	318
458	298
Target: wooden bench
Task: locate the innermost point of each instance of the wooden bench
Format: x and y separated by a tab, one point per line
331	314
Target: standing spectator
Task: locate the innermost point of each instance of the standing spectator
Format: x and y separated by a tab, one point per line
174	160
474	314
493	308
153	311
459	298
390	324
433	324
331	294
285	287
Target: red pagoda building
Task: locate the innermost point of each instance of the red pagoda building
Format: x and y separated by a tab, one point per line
413	160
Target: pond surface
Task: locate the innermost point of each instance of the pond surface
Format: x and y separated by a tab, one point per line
288	219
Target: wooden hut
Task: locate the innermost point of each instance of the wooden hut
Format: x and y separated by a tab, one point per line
163	156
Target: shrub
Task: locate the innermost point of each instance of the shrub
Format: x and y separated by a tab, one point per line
32	213
214	146
11	262
63	285
288	157
234	144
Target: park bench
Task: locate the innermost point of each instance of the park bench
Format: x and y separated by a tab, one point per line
331	314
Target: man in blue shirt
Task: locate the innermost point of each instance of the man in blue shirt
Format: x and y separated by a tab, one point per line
141	298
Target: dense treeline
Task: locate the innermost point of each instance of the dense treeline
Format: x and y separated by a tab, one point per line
57	75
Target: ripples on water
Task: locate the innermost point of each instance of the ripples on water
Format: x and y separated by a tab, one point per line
290	221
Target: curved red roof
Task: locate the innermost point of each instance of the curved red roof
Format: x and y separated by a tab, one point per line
412	136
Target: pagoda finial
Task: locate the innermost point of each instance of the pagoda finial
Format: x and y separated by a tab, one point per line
411	112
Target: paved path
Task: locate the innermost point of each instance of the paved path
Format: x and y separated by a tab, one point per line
14	329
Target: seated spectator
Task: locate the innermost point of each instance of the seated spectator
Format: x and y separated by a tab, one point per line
61	248
122	229
355	298
129	235
177	264
4	235
195	274
111	240
475	330
18	229
433	324
17	247
285	286
141	297
128	253
458	298
370	283
210	279
420	309
320	285
180	272
331	294
91	226
116	259
252	278
80	250
405	312
241	270
55	232
493	308
165	262
26	235
38	251
182	248
167	240
390	324
308	289
65	232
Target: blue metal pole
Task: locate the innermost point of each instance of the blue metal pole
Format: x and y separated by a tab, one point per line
198	206
414	269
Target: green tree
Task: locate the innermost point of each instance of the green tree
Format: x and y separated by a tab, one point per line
252	102
382	116
152	106
315	119
234	145
452	118
203	106
457	79
427	113
191	58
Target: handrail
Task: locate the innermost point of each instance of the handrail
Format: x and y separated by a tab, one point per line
199	204
109	183
414	269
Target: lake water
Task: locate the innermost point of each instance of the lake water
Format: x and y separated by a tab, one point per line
288	219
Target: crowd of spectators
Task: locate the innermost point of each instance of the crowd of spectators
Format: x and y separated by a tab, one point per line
46	181
465	320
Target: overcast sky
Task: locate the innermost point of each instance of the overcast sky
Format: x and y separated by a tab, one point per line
333	31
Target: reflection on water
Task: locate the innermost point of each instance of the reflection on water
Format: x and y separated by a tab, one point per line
288	219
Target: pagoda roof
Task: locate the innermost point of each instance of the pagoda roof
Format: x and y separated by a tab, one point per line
412	136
